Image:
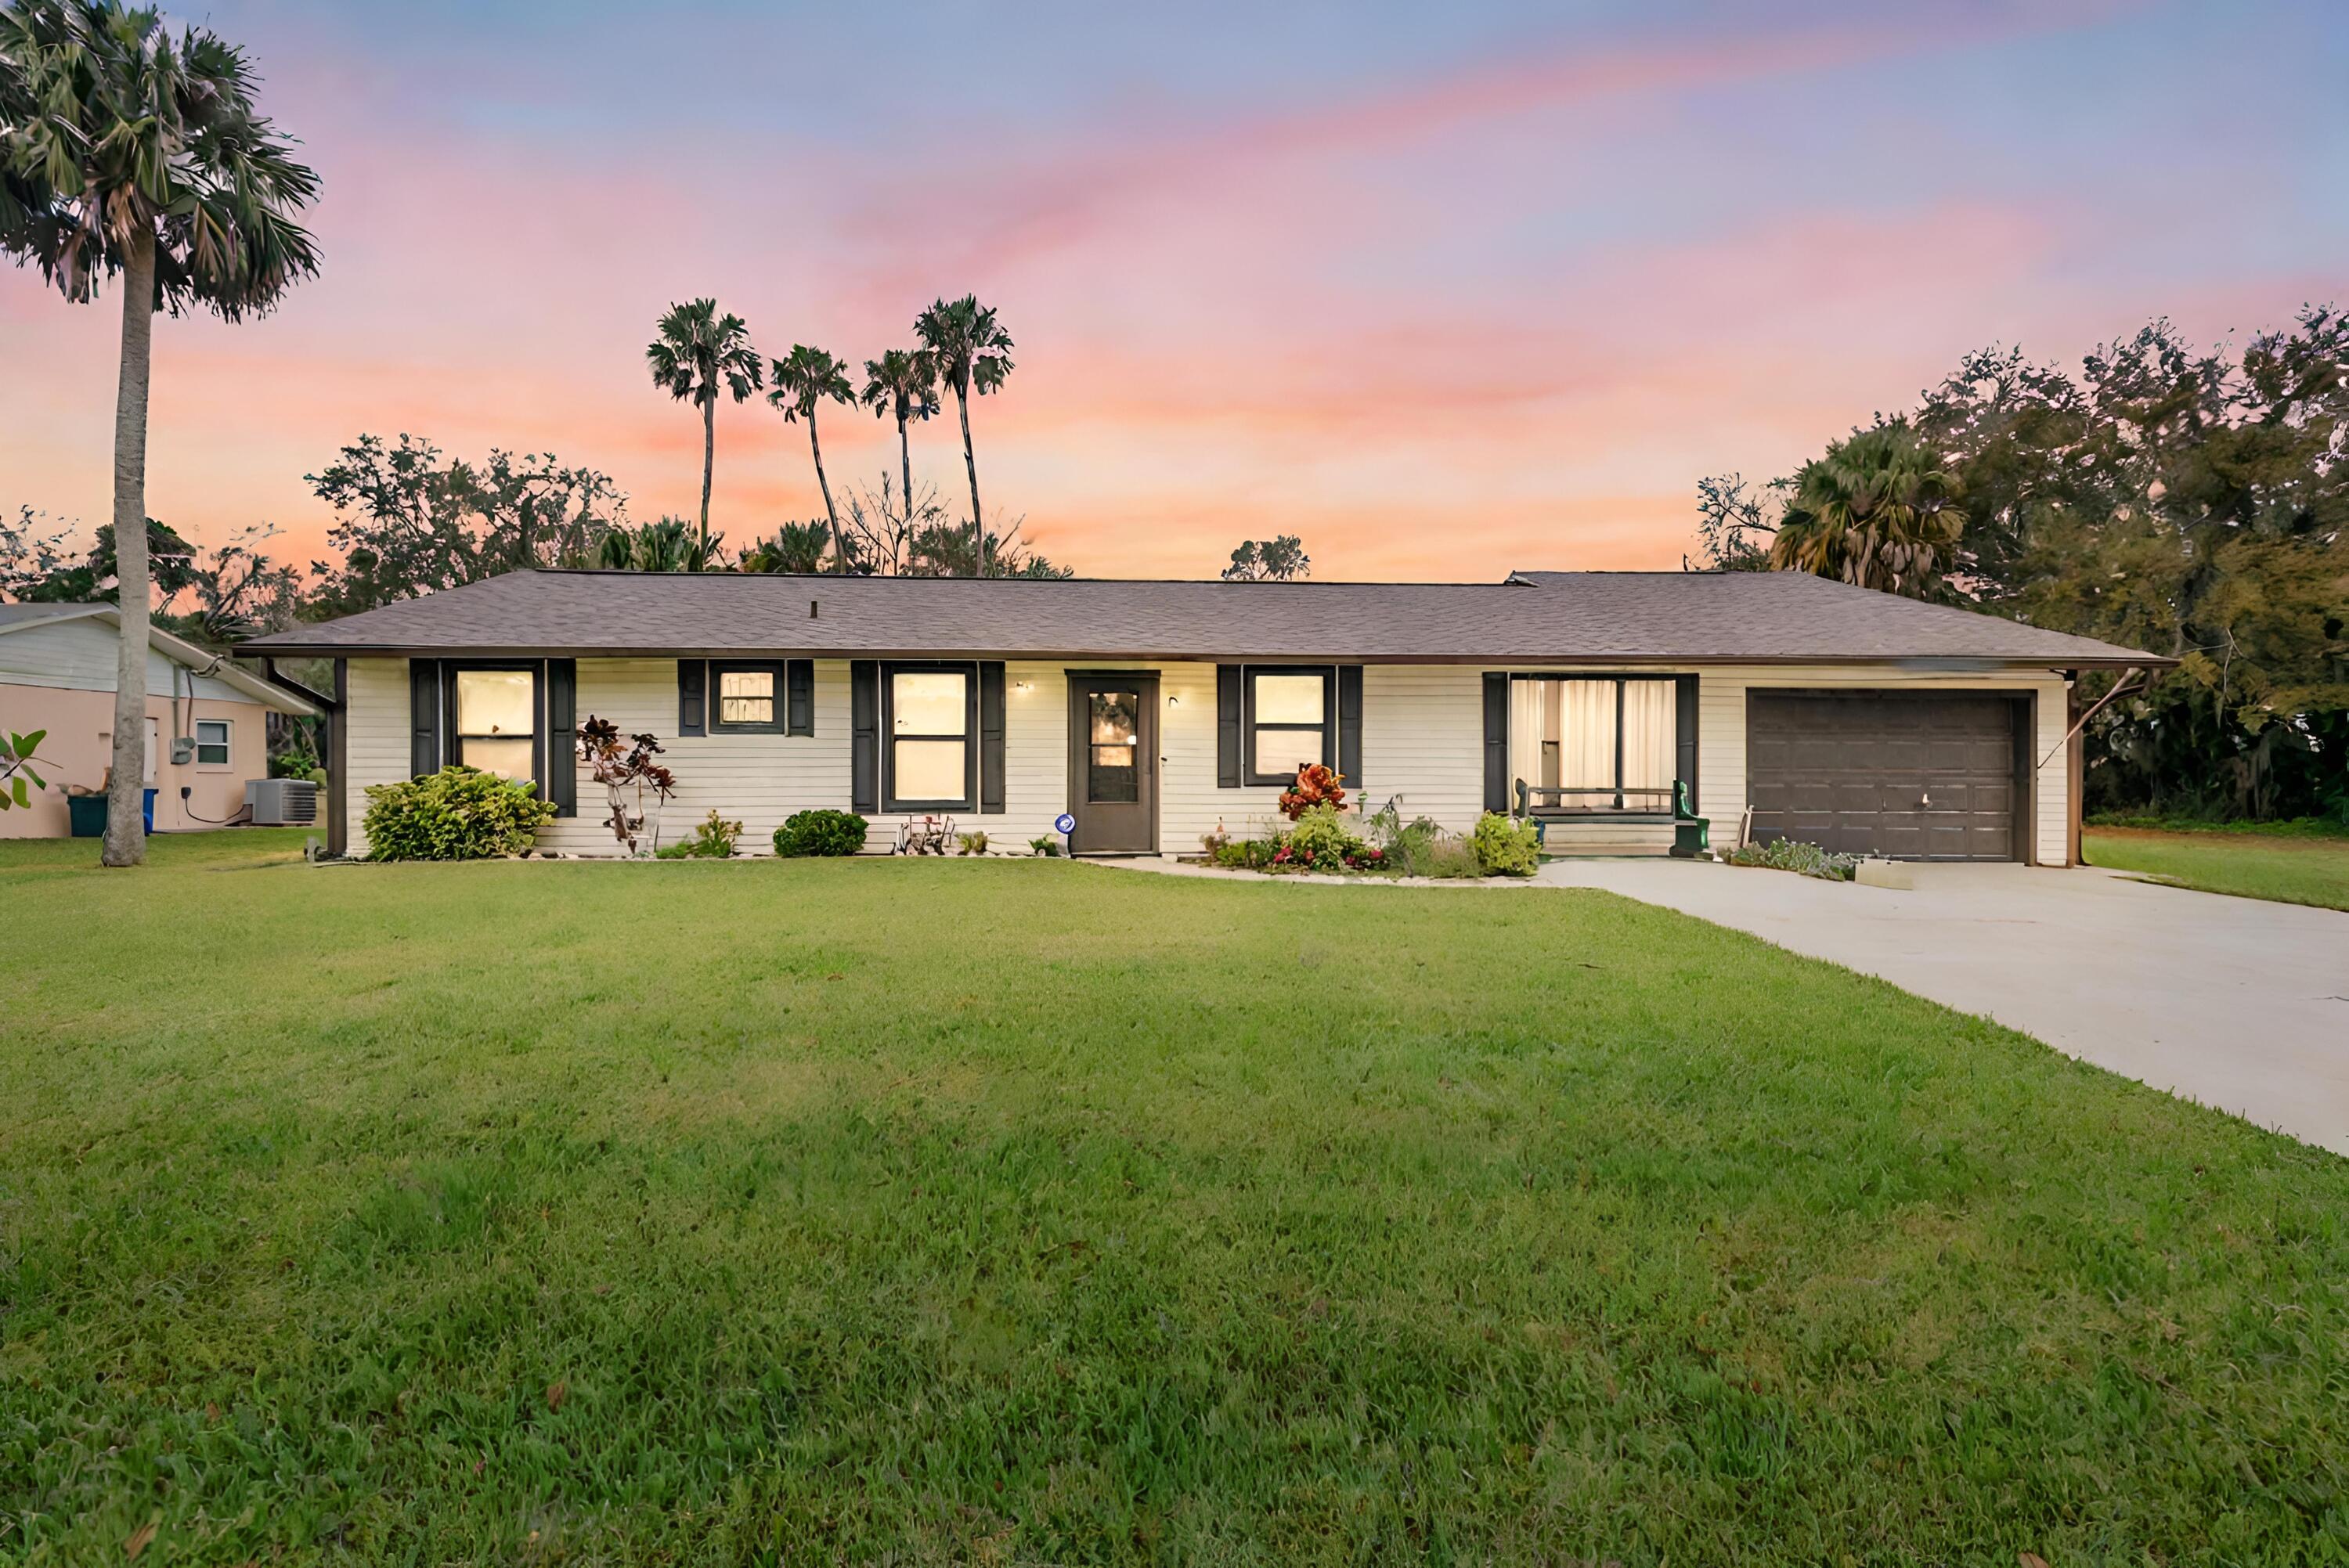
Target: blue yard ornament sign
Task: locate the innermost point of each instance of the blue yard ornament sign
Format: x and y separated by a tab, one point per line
1064	824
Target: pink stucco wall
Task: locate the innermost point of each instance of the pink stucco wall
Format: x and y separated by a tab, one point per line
79	748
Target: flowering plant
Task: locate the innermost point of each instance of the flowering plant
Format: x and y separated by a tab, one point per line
1316	785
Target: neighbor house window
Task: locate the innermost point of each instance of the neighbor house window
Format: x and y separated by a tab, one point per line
212	743
1604	743
749	696
497	721
929	722
1287	721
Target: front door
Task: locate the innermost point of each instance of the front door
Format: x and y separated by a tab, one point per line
1114	763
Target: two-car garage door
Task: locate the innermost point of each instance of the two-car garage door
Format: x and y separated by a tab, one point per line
1911	775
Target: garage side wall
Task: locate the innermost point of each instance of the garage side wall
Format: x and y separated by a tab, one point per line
1720	736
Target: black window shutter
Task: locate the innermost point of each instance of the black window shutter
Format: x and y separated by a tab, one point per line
1685	733
1227	726
693	696
1350	726
864	735
423	717
1496	741
562	732
798	702
991	736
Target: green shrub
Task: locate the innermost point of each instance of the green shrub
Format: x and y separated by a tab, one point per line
1045	845
457	814
1792	855
972	843
713	841
1503	847
821	833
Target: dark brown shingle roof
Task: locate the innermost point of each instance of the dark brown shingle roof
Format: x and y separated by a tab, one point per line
1535	617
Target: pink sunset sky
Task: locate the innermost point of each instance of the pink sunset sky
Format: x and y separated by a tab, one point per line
1445	291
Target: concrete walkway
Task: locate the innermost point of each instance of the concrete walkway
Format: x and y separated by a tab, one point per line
2233	1002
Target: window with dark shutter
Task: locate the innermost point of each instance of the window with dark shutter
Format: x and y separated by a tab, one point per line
1228	722
423	717
799	698
1496	741
562	731
693	696
1349	728
991	736
864	735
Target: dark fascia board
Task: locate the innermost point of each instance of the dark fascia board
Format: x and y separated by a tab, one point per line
1947	662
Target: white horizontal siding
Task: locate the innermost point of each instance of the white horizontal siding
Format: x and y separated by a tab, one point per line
80	656
1422	741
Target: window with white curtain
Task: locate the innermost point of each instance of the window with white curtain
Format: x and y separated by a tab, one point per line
1609	743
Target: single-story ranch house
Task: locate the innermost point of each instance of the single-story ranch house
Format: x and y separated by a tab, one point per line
1154	711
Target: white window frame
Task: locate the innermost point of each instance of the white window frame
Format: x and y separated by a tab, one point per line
227	744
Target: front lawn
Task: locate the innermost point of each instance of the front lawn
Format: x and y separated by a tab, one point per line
1023	1212
2290	869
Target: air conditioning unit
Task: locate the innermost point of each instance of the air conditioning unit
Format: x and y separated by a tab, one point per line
281	802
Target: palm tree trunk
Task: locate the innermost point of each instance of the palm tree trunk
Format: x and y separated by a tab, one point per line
906	461
708	457
977	528
126	837
815	447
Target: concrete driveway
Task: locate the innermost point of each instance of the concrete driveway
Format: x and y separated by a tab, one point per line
2232	1002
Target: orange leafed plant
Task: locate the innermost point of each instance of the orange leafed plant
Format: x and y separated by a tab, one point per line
1316	785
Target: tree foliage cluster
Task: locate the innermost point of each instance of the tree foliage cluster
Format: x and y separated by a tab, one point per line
2192	502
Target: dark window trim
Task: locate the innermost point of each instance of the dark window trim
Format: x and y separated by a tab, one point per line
452	742
775	670
890	671
1249	726
1622	680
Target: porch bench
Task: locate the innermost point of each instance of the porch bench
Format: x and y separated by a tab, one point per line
1545	804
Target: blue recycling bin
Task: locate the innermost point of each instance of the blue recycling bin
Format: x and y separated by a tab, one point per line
147	811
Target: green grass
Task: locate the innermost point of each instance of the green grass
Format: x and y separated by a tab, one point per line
1022	1212
2290	869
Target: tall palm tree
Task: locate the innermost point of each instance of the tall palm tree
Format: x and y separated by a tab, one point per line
971	351
902	382
801	381
124	151
1879	510
698	355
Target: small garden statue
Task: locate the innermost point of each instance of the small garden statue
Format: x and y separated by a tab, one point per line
621	766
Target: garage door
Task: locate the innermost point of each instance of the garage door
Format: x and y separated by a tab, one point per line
1903	774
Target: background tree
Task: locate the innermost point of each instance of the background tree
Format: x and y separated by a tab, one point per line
698	355
670	544
1879	510
410	522
1279	558
1733	525
797	547
803	381
970	351
125	151
904	383
2191	502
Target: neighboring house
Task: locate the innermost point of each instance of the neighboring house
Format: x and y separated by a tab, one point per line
1152	712
57	673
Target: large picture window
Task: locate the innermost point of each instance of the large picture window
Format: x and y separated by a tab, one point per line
1289	714
496	728
1604	743
930	717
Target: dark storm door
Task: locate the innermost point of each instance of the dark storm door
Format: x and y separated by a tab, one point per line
1907	775
1113	762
